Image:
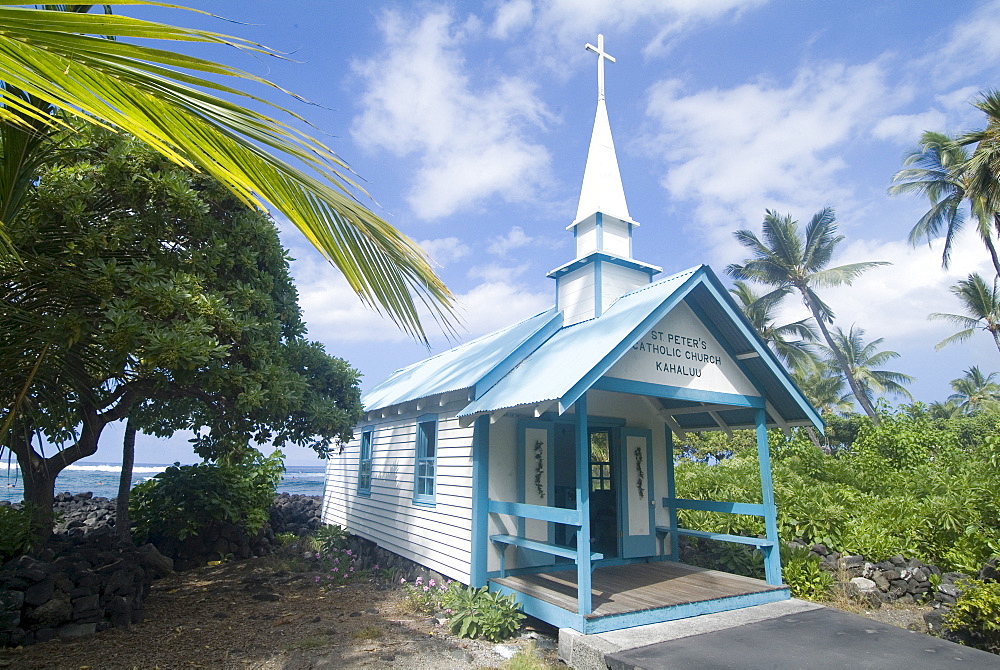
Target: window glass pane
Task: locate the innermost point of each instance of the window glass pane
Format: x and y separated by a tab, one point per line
428	434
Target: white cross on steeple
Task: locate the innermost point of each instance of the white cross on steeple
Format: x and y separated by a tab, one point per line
601	55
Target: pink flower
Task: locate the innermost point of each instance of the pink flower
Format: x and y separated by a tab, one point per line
431	583
317	578
402	580
418	580
426	589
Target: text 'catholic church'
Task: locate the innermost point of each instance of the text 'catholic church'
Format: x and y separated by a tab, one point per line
538	459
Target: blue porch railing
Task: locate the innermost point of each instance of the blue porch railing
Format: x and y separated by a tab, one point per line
766	545
569	517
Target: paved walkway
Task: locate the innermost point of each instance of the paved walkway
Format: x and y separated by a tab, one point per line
787	635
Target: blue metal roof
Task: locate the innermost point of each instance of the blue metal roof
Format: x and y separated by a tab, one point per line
464	366
539	361
562	362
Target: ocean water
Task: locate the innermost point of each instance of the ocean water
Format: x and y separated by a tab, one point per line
101	479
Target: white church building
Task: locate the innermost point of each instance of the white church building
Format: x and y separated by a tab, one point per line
538	459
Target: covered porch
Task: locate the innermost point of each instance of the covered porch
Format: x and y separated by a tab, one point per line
584	586
630	595
575	507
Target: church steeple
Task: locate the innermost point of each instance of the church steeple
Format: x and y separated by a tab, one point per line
602	182
603	270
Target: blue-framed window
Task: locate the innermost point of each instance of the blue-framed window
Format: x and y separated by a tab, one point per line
365	463
425	467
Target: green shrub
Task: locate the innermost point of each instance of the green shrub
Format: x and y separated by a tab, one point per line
15	532
338	568
427	597
478	613
331	538
183	499
285	539
921	487
975	618
802	572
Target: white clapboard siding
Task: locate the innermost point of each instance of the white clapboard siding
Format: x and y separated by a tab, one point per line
618	280
439	536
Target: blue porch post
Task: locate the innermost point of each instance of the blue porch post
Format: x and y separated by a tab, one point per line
672	494
583	507
772	554
480	501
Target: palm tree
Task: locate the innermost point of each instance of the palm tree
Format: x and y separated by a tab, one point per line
974	390
82	66
786	261
982	310
824	385
939	170
796	353
982	172
943	410
862	358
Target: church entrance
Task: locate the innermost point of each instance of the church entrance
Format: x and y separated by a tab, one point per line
603	493
604	472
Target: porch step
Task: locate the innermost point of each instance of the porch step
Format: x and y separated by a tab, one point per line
724	537
544	547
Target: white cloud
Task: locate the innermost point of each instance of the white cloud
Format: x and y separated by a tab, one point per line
906	127
445	250
736	152
515	238
512	16
497	304
471	140
335	315
970	47
495	272
568	20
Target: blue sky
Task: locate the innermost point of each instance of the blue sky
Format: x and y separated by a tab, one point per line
469	122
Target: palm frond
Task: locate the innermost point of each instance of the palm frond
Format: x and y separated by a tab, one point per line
843	274
161	97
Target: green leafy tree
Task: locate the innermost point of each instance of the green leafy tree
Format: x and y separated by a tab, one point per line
791	341
862	359
982	310
786	261
173	307
974	391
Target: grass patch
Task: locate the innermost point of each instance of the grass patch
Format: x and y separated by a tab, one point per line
368	633
310	642
528	659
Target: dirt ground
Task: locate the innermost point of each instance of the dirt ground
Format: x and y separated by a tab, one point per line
269	614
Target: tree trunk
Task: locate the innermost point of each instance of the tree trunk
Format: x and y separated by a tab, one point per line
825	448
125	483
39	486
988	240
842	361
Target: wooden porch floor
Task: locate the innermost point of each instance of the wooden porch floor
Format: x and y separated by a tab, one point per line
633	588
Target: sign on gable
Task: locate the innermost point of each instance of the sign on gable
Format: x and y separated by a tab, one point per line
680	351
